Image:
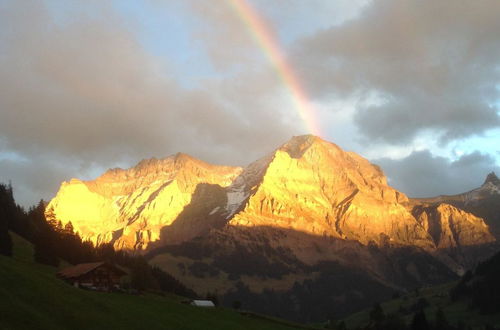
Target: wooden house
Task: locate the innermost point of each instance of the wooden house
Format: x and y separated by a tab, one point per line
95	275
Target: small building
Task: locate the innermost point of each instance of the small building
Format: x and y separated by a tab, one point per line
94	275
202	303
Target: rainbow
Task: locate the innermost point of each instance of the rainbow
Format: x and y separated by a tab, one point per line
271	48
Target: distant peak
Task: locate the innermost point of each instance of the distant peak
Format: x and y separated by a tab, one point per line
492	177
298	145
305	138
177	157
183	156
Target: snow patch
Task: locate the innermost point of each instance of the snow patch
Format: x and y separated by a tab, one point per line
240	189
235	196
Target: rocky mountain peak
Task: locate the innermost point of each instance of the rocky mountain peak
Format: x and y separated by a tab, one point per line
175	160
298	145
492	178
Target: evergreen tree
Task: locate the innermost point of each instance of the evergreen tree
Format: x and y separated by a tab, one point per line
341	326
377	314
68	229
45	238
419	321
168	283
142	277
236	304
441	322
5	239
394	322
7	212
213	297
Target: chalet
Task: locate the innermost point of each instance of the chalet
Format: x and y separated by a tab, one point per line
95	275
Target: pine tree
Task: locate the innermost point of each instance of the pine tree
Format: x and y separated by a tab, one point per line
213	297
45	238
7	208
377	314
5	241
441	322
68	229
341	326
419	321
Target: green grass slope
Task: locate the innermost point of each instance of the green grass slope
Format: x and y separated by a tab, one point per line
31	297
436	297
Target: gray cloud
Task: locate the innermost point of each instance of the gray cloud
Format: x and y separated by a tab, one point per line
35	178
423	175
229	40
84	91
434	65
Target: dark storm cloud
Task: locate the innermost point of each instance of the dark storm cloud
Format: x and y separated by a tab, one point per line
433	65
423	175
90	88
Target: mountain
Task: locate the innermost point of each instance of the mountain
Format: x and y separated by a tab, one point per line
308	185
305	227
483	202
130	207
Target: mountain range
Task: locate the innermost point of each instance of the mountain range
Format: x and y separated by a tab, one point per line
305	232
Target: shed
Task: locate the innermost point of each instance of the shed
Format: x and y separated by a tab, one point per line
202	303
94	275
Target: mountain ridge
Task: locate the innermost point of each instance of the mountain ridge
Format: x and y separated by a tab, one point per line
306	184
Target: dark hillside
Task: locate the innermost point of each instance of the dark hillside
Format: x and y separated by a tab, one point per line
33	298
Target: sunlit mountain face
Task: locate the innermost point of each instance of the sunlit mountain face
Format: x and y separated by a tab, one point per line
307	184
295	215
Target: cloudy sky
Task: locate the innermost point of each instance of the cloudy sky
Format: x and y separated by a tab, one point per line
88	85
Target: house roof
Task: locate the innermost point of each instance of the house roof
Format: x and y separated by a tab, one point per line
82	269
203	303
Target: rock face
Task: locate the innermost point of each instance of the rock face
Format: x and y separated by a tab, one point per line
450	227
313	186
483	202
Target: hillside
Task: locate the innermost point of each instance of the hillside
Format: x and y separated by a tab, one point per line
432	298
32	298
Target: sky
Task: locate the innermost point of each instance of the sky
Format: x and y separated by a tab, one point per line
412	85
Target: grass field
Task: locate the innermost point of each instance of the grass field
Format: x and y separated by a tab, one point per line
437	297
31	297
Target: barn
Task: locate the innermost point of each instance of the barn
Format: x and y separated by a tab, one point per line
95	275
